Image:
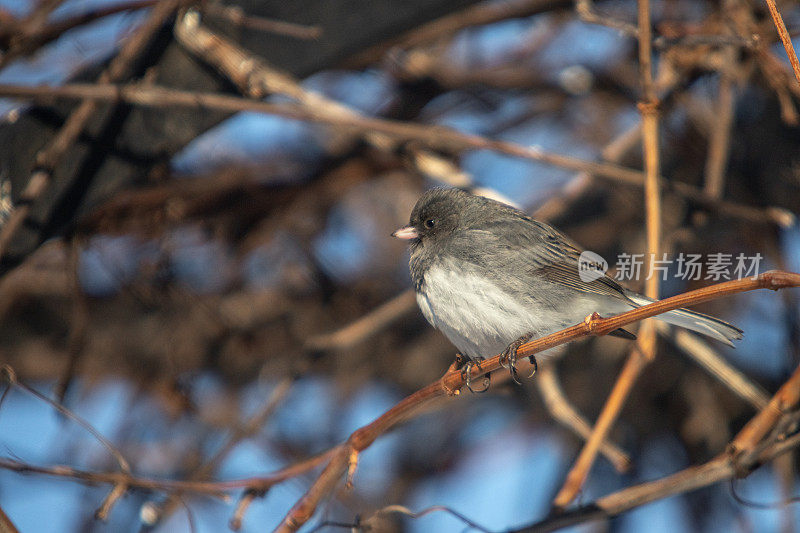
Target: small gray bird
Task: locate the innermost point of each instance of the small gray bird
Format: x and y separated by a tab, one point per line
490	278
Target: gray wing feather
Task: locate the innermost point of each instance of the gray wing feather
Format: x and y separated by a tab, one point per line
544	254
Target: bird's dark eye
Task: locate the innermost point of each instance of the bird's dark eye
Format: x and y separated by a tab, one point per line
430	223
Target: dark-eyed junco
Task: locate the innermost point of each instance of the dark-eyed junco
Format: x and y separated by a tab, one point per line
490	277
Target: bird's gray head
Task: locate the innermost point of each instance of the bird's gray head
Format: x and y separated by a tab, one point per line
441	212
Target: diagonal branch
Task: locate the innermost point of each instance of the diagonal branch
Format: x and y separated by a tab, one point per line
765	436
437	137
785	38
548	385
236	15
28	40
345	456
6	525
480	14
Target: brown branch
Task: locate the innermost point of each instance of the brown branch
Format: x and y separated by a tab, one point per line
577	475
716	365
652	192
437	137
57	28
587	13
6	525
242	506
50	155
26	41
345	456
11	377
747	27
724	466
366	326
117	492
720	139
366	525
785	38
33	23
211	488
255	77
787	398
644	350
236	15
480	14
560	409
240	432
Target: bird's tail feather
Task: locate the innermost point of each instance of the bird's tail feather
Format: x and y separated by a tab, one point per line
698	322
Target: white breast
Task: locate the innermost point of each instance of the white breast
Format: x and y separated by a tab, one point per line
477	316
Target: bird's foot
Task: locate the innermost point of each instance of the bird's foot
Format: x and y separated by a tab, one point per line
509	358
466	373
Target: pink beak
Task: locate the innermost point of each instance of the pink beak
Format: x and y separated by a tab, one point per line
406	233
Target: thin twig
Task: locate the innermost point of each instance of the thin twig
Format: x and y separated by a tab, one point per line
720	139
27	42
11	378
747	27
366	326
785	38
634	365
562	411
211	488
587	13
402	510
241	431
745	445
434	136
716	365
476	15
236	15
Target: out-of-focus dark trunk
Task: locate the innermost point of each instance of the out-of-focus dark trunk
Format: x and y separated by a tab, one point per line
124	146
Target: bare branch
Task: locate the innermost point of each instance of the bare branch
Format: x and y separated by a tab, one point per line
437	137
560	409
11	378
785	38
724	466
6	525
716	365
479	14
366	326
236	15
345	455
